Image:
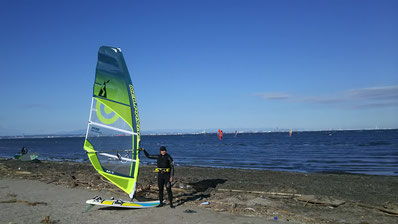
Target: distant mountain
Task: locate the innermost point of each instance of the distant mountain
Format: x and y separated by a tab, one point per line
82	132
207	130
73	132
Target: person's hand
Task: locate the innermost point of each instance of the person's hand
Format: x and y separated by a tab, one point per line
141	149
171	179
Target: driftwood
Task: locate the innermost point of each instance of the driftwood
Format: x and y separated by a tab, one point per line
320	200
23	172
389	211
260	192
155	188
305	198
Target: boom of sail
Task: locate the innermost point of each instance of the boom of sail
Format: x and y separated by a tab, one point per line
113	132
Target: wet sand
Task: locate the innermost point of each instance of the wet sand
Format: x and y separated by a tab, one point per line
234	195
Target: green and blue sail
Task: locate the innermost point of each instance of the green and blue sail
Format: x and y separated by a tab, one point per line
113	132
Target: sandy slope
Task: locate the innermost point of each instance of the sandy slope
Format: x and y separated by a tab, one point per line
67	205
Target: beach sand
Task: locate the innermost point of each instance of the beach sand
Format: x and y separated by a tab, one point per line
55	192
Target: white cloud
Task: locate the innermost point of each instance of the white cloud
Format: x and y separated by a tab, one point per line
362	98
274	96
37	106
375	93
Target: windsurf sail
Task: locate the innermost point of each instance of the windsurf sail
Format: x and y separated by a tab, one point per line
220	134
290	132
113	131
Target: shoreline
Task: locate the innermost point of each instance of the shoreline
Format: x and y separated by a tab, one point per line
334	172
295	196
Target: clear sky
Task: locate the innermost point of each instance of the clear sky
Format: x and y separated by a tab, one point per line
204	64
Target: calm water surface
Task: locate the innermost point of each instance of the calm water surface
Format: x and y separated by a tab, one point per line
367	152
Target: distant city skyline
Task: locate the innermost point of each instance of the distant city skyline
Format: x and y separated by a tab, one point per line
82	132
196	65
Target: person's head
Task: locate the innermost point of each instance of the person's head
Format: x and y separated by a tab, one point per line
163	150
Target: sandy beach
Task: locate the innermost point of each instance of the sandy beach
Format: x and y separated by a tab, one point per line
55	192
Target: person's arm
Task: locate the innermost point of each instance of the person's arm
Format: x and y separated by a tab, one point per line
171	162
149	156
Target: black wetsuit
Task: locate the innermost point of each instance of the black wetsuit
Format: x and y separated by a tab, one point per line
164	177
24	150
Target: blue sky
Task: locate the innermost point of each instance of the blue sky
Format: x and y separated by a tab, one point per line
204	64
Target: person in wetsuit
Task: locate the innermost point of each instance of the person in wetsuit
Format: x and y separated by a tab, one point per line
24	150
165	169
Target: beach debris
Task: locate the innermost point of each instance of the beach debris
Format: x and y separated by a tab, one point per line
199	198
47	220
189	211
72	184
385	210
205	203
11	195
220	209
250	209
14	200
275	215
261	192
286	212
320	200
259	201
23	172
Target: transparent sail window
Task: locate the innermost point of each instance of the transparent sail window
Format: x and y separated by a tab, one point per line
113	148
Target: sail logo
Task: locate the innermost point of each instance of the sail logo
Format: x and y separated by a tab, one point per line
137	121
102	92
105	114
109	171
95	129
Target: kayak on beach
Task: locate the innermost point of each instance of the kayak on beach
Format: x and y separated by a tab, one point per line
30	156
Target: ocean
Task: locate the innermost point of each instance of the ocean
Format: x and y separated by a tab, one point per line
373	152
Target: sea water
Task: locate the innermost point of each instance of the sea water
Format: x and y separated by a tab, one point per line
367	152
